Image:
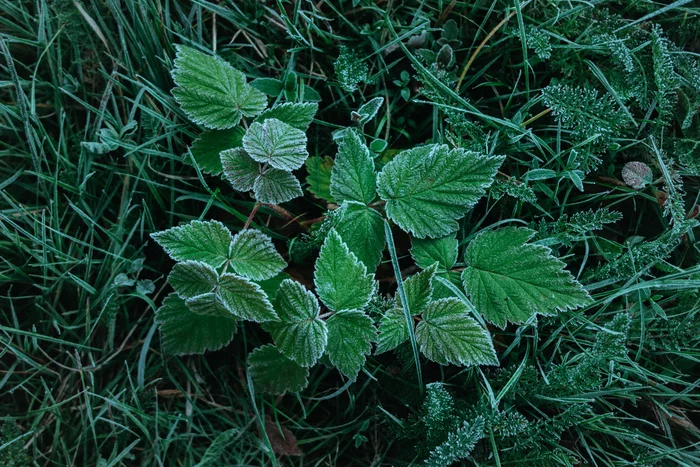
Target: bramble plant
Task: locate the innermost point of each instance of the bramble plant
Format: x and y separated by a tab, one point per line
424	191
349	232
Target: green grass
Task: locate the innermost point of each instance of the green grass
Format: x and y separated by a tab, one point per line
82	377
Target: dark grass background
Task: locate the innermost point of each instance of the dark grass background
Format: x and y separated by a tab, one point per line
82	377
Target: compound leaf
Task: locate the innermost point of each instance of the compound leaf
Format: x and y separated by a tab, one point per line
427	189
353	177
296	114
207	148
276	187
443	250
274	373
362	230
245	299
300	334
192	278
342	281
350	337
447	334
208	242
509	279
275	143
211	92
184	332
254	256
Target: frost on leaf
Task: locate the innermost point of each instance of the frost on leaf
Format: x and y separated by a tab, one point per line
274	373
184	332
637	175
353	177
211	92
510	280
245	299
427	251
342	281
207	242
447	334
362	230
296	114
459	444
254	256
351	70
276	187
419	290
239	169
428	188
393	330
207	149
192	278
368	110
299	334
273	186
350	337
209	304
275	143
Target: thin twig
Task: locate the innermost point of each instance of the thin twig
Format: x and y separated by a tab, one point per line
252	214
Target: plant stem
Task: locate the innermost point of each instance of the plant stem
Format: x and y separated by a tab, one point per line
252	214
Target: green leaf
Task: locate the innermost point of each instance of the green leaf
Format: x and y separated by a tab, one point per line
245	299
276	187
443	250
300	334
184	332
272	285
362	230
295	114
208	242
353	177
342	282
270	86
209	304
252	101
211	92
351	69
310	94
447	334
428	188
419	290
274	373
275	143
319	178
458	445
239	169
206	149
254	256
192	278
350	337
509	279
392	330
368	110
440	290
